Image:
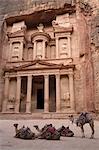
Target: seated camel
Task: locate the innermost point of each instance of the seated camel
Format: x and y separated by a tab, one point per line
48	132
65	131
24	133
82	119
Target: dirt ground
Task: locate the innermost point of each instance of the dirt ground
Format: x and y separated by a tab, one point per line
8	142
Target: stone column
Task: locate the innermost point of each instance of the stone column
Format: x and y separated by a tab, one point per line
69	48
43	53
34	50
6	94
18	92
58	102
57	48
10	52
46	93
21	50
71	88
29	90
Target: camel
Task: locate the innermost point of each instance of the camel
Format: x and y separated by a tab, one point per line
65	131
82	119
23	133
48	132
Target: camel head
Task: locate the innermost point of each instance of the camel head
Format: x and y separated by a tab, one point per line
71	118
15	125
36	126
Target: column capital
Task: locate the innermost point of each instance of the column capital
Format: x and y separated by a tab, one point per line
71	75
57	75
29	76
18	77
46	76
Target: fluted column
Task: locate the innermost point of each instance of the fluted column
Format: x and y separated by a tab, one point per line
71	88
57	48
46	93
29	90
6	94
18	92
58	102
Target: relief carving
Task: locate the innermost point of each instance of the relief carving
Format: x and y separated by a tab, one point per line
61	21
18	26
40	27
15	50
63	47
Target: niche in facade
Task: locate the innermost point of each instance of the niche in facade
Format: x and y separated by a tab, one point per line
63	47
15	50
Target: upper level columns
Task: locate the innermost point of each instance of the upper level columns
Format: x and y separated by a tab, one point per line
57	48
29	90
18	92
46	93
6	92
58	101
34	51
69	46
43	56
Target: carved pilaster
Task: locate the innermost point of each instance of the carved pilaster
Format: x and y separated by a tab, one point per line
71	88
6	92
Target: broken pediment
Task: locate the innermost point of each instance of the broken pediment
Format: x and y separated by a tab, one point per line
18	30
19	33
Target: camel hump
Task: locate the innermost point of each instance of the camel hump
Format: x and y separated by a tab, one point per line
87	116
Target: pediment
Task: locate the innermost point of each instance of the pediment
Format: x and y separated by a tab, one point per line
37	64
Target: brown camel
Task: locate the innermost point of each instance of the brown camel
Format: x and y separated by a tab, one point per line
23	133
48	132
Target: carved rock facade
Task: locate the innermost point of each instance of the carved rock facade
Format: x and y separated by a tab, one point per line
47	63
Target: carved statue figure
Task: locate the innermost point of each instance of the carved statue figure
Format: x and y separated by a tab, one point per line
40	27
82	119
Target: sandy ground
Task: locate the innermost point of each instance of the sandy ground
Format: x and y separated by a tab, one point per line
8	142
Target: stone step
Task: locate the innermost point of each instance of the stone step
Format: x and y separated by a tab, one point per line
18	116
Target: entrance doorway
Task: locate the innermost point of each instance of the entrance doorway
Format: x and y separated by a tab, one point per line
40	99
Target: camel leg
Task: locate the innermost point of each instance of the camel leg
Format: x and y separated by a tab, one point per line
82	131
92	128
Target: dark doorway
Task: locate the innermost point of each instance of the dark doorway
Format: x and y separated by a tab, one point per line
40	99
